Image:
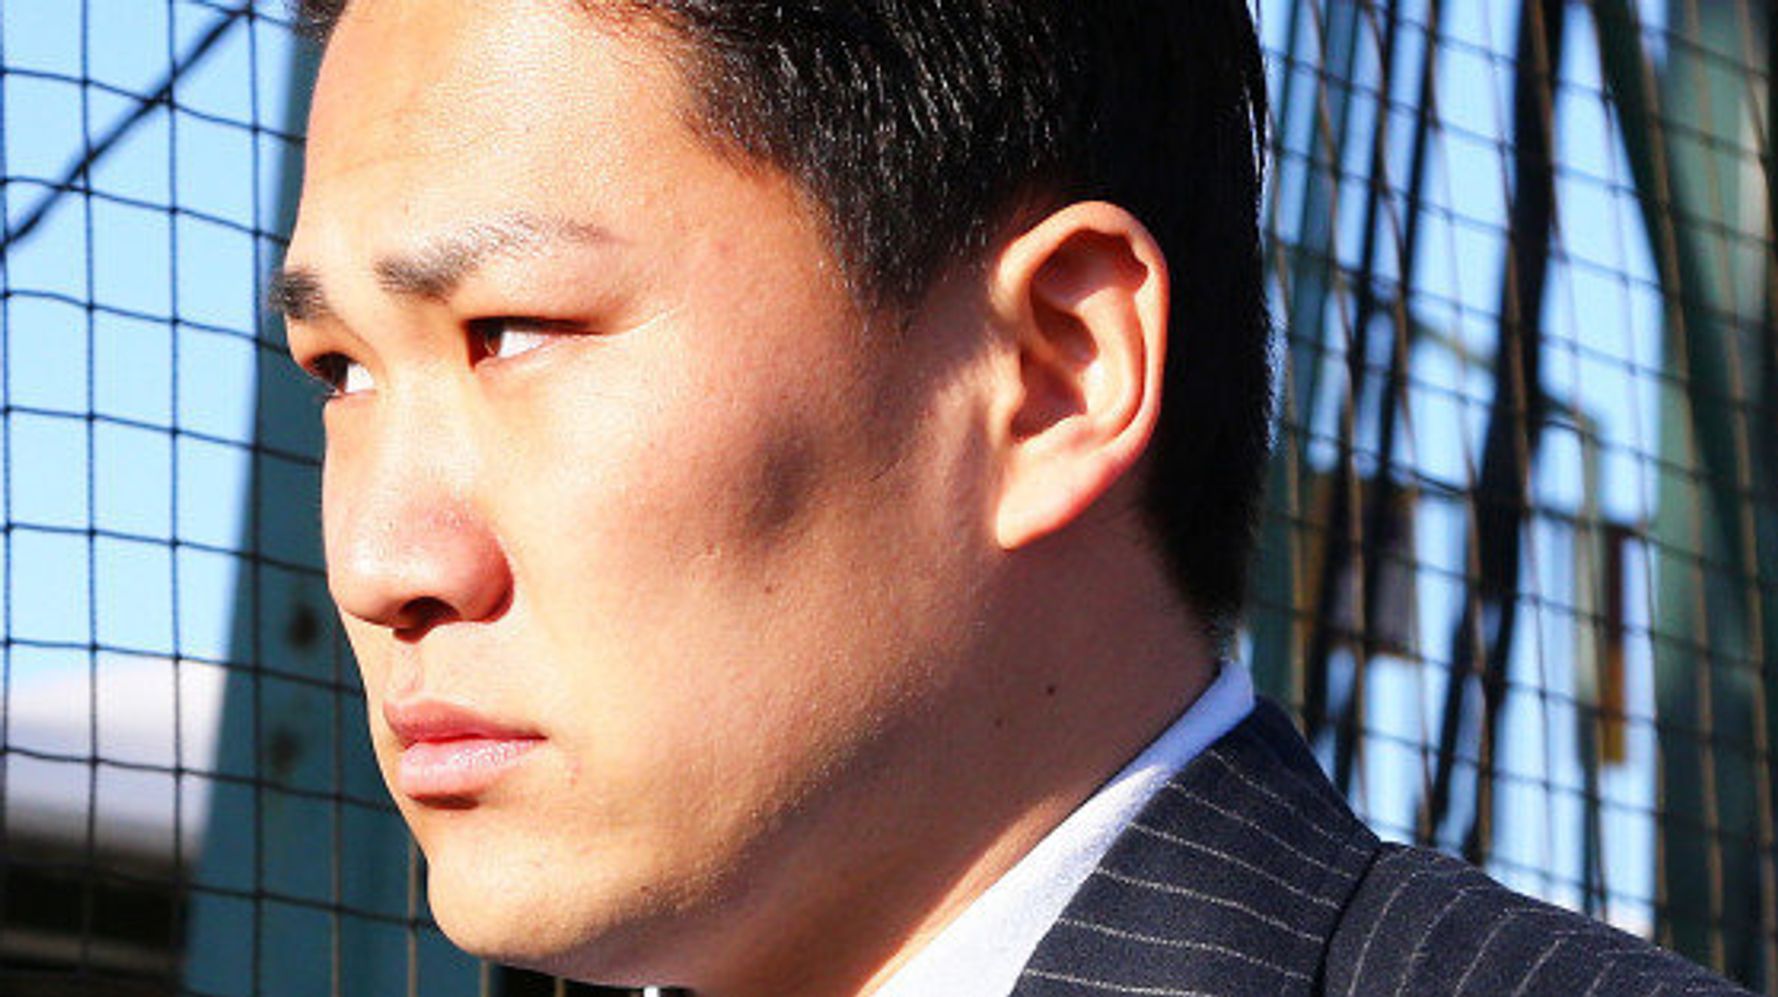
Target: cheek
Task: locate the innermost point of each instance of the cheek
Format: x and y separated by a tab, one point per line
663	459
694	556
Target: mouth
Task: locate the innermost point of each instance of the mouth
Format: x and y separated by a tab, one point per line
452	756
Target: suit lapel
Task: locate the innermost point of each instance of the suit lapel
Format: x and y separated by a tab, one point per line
1230	881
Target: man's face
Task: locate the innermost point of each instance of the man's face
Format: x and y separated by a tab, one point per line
655	551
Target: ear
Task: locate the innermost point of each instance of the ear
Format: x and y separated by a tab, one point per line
1082	298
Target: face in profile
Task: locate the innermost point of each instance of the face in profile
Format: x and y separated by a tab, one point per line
654	549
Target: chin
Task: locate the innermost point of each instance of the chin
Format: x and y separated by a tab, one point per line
533	914
495	916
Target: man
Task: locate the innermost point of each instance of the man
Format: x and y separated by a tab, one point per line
752	503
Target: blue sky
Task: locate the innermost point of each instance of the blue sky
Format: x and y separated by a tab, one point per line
164	361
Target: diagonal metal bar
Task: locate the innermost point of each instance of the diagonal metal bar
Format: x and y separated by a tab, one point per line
1482	640
1377	541
1690	856
90	157
1341	530
1315	271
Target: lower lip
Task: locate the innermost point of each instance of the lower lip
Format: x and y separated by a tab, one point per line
459	769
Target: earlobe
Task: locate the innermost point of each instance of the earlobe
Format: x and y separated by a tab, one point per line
1084	297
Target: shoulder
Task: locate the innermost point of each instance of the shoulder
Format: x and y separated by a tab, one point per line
1229	881
1425	923
1248	873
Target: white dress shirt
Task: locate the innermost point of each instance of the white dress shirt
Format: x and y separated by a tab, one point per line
981	953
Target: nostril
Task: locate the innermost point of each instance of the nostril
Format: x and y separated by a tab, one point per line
418	616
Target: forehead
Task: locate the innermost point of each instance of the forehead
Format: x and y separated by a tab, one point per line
432	118
526	94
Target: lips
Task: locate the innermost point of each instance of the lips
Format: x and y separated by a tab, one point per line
452	755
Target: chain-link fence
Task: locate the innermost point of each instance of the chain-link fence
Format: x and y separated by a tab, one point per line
1517	555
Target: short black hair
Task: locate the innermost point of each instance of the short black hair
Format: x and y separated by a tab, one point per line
919	127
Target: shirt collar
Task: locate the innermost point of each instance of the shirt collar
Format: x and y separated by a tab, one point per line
982	952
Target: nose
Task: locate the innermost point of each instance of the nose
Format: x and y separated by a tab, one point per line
408	548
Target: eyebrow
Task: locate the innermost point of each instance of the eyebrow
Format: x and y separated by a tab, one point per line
438	267
295	292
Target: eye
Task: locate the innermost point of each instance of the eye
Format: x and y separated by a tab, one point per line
340	374
503	338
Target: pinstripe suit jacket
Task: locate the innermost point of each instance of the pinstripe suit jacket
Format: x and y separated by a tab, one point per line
1248	874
